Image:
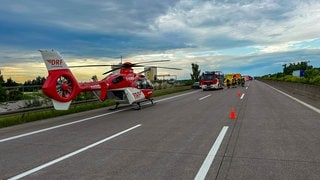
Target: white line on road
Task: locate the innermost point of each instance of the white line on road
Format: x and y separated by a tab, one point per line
210	157
204	97
71	154
59	126
242	95
172	97
299	101
81	120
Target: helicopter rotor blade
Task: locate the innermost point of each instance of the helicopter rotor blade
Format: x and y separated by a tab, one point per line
169	68
162	67
132	65
127	65
92	65
114	69
163	60
149	67
124	65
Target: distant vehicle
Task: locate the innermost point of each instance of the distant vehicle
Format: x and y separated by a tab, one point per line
248	78
196	85
212	80
232	80
231	76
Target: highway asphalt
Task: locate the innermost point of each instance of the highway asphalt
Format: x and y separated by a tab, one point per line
188	135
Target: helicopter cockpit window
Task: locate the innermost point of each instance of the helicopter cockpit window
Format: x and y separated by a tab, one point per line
144	84
139	84
117	79
149	84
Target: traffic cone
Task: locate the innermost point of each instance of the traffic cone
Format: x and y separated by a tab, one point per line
233	114
239	93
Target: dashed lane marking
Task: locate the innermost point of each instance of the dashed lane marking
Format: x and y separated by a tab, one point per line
204	97
242	96
19	176
210	157
58	126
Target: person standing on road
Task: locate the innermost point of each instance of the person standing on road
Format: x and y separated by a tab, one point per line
234	81
228	83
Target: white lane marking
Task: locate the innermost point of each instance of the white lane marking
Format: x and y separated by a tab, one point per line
58	126
299	101
176	96
204	97
242	95
246	87
81	120
210	157
71	154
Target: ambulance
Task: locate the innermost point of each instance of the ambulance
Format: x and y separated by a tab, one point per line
233	79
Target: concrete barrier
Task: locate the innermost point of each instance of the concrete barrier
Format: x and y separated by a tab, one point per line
306	92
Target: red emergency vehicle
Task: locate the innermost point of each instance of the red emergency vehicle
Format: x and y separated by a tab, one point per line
211	80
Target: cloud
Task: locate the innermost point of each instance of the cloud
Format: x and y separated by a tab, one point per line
249	36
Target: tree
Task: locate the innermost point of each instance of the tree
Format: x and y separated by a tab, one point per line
10	83
38	81
1	79
35	84
3	94
287	70
195	76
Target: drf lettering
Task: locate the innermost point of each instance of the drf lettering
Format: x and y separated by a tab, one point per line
55	62
136	95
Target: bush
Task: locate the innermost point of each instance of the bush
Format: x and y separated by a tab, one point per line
15	95
3	95
315	80
311	73
294	79
311	76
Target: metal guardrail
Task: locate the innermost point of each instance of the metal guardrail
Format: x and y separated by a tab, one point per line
34	109
25	110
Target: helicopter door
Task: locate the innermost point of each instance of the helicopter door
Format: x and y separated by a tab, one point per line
134	95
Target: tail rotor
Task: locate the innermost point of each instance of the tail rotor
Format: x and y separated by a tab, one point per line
64	87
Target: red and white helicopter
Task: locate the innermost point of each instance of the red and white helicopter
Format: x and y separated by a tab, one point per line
125	87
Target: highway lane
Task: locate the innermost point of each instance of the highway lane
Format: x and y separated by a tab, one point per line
273	137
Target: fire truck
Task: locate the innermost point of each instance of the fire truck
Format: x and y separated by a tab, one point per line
211	80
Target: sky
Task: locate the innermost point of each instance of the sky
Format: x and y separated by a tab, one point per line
251	37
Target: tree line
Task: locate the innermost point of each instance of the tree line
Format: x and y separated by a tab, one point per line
288	69
311	74
11	90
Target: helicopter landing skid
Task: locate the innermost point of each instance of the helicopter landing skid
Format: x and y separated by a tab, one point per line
139	104
116	107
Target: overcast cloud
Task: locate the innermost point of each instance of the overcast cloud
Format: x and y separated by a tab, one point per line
252	37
